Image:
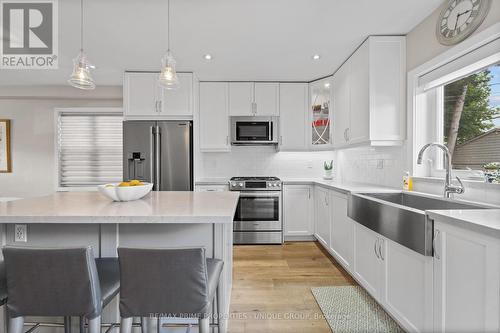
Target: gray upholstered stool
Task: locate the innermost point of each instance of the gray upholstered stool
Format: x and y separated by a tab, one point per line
168	283
58	282
3	283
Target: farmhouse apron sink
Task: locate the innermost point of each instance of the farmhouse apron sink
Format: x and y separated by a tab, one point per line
401	217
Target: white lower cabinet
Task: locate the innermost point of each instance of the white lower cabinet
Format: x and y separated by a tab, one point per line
466	280
322	216
342	230
407	290
298	212
368	263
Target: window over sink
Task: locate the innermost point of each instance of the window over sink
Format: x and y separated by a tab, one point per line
469	120
455	100
89	147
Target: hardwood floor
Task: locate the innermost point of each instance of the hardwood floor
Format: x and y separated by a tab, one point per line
271	287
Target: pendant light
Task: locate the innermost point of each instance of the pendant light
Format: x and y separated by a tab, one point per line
80	77
168	76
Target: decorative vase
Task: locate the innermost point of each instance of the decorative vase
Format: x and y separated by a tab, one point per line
328	174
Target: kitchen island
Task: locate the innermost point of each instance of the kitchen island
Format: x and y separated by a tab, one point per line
159	220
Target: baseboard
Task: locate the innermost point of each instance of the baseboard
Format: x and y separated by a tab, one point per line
300	238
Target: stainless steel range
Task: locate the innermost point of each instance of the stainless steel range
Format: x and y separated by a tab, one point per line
258	216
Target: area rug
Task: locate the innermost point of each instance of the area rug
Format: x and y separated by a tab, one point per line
350	309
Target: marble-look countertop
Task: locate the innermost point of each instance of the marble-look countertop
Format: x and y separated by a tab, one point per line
331	184
481	220
93	207
337	186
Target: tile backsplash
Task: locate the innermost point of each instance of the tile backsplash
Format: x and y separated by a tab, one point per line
372	165
263	161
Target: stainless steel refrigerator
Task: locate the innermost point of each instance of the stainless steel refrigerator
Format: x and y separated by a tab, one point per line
160	152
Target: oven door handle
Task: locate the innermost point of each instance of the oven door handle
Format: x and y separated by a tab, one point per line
277	194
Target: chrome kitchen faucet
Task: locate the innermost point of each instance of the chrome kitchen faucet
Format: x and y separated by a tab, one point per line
449	188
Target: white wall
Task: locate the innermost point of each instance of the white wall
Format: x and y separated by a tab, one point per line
372	165
421	42
32	136
263	161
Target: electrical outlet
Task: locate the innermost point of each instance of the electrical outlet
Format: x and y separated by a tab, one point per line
21	233
380	164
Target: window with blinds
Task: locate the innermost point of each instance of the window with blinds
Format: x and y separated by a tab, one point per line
89	148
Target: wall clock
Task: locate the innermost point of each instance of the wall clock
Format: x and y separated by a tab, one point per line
459	19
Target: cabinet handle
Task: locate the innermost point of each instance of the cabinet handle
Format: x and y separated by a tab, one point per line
159	106
436	254
309	190
254	108
156	106
227	140
345	135
380	249
326	201
347	132
281	140
375	248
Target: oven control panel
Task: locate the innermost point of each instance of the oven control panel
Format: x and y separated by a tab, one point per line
255	185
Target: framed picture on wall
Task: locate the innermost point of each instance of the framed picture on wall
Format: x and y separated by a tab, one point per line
5	159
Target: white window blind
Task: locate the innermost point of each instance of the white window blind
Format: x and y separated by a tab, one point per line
465	65
89	148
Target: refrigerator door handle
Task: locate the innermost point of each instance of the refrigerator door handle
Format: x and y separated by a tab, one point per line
158	158
151	153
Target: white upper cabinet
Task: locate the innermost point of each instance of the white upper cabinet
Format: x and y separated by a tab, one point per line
253	99
144	99
214	117
267	98
359	101
241	98
178	102
141	94
369	94
341	105
293	116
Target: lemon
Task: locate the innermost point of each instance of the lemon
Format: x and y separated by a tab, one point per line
135	182
124	184
109	185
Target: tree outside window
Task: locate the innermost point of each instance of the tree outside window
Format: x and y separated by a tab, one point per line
472	122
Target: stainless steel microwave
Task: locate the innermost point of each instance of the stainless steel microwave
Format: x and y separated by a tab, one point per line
258	130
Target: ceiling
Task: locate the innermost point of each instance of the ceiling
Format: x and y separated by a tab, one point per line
249	40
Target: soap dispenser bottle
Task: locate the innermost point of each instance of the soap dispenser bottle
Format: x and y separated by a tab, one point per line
407	182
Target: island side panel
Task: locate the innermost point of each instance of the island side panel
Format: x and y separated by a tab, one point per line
223	243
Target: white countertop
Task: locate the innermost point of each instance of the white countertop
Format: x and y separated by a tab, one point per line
481	220
341	187
334	185
93	207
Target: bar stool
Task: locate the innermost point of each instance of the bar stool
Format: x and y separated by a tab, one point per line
3	283
58	282
173	282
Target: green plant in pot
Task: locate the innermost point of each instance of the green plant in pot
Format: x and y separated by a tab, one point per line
328	167
493	166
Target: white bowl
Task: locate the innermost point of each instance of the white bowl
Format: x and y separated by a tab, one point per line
125	193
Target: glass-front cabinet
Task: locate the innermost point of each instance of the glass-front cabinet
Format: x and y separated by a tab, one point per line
320	114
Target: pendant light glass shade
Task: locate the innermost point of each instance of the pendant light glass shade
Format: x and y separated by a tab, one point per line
80	77
168	76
